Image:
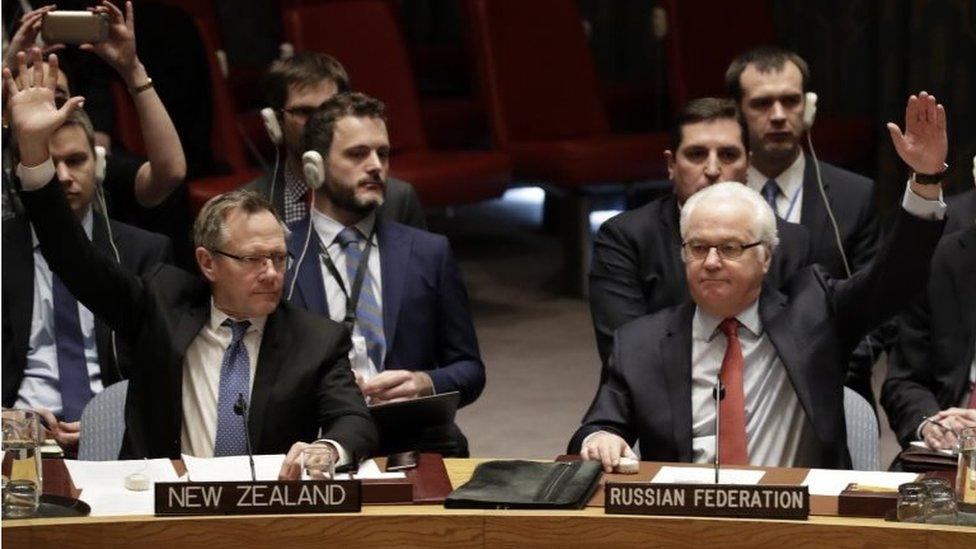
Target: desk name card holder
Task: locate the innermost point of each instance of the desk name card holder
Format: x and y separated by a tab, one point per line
707	500
251	498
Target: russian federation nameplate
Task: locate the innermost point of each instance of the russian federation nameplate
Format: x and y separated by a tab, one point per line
251	498
707	500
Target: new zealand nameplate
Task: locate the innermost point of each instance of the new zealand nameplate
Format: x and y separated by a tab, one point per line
709	500
251	498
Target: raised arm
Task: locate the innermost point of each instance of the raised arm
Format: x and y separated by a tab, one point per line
166	168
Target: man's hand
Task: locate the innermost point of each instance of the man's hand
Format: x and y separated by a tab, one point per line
291	468
66	434
607	448
397	385
33	116
119	50
955	419
26	35
924	145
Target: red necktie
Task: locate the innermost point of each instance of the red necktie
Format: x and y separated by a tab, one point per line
733	448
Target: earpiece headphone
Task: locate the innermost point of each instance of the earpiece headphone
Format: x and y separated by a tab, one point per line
313	167
100	155
272	125
809	109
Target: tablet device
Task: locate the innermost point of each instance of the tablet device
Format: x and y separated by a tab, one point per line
405	424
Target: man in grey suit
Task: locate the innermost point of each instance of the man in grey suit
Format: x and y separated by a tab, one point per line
295	88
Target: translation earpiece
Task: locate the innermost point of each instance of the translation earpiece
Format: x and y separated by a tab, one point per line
100	154
809	109
271	124
314	169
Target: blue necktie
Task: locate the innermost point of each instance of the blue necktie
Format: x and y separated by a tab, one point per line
235	378
369	317
72	366
770	191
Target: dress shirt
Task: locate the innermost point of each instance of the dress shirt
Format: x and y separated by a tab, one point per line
41	387
790	185
201	379
327	230
294	203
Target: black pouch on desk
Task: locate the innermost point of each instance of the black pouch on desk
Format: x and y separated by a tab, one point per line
515	484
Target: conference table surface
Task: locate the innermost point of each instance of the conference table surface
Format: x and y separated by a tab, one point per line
434	526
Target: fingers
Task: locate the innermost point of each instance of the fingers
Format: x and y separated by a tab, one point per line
38	12
9	82
22	70
385	381
53	69
130	16
897	138
290	468
38	67
49	420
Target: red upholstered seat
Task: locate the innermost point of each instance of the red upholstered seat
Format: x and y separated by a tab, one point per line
365	36
544	107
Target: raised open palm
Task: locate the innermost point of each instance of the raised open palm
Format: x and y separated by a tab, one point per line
33	115
924	144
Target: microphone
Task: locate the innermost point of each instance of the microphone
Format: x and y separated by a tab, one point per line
240	408
718	393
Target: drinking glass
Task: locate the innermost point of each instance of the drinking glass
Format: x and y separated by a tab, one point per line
941	506
22	439
318	462
912	497
966	474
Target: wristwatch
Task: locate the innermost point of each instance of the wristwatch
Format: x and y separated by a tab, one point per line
931	179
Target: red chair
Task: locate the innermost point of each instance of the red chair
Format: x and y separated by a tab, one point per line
695	70
365	37
539	82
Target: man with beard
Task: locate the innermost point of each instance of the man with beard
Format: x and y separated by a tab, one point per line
378	276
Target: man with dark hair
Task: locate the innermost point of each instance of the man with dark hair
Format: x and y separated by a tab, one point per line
200	346
56	353
295	88
411	326
637	267
770	84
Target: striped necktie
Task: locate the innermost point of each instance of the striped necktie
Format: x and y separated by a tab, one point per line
369	316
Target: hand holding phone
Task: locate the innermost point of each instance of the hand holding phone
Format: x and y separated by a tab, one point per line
74	27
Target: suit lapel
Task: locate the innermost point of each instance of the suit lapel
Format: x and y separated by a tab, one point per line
274	342
676	362
772	304
310	288
103	335
18	275
813	215
394	245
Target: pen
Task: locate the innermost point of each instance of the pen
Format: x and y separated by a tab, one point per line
927	419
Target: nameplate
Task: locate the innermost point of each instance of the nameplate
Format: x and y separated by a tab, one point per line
251	498
707	500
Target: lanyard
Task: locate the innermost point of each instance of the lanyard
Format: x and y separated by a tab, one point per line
352	298
793	203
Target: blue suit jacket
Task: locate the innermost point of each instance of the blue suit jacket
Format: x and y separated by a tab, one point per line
426	318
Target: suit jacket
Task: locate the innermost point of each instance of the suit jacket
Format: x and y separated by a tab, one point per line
853	201
637	267
302	381
426	317
139	251
813	322
961	212
401	203
928	368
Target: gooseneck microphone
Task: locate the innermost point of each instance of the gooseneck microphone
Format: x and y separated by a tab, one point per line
718	393
240	408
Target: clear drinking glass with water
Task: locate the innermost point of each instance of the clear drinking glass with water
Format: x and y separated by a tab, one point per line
966	474
318	462
21	440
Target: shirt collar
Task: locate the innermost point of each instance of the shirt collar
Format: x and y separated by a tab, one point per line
86	223
217	318
789	181
705	325
328	229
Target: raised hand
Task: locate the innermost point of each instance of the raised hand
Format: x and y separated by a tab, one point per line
924	144
33	116
119	50
26	35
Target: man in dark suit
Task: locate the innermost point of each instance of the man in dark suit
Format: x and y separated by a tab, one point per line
636	267
40	371
289	365
770	85
932	366
412	330
780	354
296	87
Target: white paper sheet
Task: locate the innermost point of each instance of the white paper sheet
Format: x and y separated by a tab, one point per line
706	475
922	445
831	482
111	474
266	467
109	502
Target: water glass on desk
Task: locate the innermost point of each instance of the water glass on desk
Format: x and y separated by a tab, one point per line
318	462
966	474
22	439
912	500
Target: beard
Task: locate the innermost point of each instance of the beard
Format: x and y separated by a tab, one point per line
345	196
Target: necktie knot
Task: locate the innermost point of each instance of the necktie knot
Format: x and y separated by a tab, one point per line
730	327
770	191
347	236
237	328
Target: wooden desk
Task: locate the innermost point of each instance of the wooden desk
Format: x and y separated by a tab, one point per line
434	526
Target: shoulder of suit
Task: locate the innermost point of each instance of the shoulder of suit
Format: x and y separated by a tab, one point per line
848	179
398	186
305	324
655	323
638	219
136	239
424	237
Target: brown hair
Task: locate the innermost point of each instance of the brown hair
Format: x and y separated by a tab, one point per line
302	69
209	230
766	58
320	127
707	109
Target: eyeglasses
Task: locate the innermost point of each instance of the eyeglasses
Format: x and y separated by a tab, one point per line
300	112
259	263
726	250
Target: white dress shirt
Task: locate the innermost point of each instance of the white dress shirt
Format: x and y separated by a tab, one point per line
327	230
789	201
41	387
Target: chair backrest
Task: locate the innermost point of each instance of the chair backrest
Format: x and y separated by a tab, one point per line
702	40
535	70
366	37
862	432
103	424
